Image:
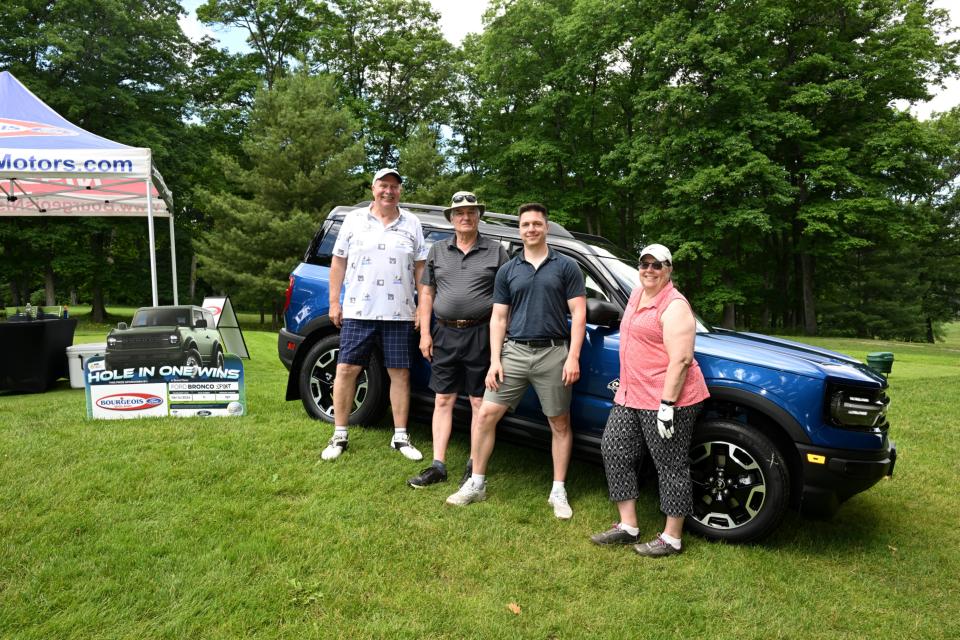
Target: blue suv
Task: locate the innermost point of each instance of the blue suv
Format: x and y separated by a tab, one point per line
786	425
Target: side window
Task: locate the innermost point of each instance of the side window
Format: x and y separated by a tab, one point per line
321	249
591	281
197	315
594	290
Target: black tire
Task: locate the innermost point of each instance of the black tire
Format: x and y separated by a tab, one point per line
218	359
192	358
741	483
316	384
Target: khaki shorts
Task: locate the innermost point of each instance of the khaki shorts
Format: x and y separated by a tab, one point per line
541	367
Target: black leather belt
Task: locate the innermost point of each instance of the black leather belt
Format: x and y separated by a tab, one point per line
542	344
463	324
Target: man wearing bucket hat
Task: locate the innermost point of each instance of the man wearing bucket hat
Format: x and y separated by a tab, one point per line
457	286
378	258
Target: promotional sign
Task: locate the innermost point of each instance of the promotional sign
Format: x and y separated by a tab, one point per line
166	390
225	320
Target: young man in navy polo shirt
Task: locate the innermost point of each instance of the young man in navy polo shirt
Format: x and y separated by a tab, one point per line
532	296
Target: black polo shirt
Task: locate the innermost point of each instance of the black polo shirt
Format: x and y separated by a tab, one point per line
538	297
463	281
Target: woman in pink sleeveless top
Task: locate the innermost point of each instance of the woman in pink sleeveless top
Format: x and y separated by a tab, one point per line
660	395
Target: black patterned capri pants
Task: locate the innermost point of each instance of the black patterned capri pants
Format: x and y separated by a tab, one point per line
631	431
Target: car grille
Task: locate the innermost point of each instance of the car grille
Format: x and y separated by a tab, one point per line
143	342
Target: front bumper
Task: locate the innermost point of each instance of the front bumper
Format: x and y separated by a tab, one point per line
831	476
287	345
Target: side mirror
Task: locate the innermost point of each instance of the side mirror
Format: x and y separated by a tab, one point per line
602	313
122	326
200	324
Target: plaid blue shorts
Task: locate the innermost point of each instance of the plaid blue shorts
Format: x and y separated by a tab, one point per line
359	337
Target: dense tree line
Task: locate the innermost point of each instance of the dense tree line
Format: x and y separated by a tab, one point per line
767	142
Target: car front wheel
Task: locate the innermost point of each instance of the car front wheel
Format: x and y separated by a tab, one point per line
740	482
192	359
316	384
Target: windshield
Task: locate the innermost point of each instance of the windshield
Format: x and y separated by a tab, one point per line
162	318
623	266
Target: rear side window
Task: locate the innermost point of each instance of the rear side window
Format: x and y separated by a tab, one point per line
432	236
321	249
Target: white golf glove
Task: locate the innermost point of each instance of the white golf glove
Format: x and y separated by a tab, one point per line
665	419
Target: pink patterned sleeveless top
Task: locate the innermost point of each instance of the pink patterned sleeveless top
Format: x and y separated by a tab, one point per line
643	358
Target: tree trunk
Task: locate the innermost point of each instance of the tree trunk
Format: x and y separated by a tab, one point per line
193	277
98	311
49	287
809	306
729	316
930	337
15	293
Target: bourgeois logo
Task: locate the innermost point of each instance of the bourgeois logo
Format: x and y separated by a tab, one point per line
129	401
10	128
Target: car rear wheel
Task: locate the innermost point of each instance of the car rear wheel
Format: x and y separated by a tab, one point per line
316	384
740	482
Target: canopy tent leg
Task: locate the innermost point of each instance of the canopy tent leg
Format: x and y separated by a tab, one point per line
173	261
153	251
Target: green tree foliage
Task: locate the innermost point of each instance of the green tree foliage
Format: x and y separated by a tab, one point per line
760	139
278	31
392	64
301	155
765	141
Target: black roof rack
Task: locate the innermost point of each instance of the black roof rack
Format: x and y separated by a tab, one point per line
490	217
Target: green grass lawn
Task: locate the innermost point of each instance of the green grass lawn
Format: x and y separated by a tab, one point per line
226	528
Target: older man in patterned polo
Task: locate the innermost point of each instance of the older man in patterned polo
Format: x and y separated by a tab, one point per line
378	258
457	287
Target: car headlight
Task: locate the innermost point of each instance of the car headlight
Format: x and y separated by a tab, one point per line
112	342
174	339
851	407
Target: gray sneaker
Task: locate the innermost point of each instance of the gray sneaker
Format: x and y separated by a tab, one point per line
657	548
467	494
615	535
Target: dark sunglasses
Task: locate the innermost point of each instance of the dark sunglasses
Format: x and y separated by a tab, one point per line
656	266
460	197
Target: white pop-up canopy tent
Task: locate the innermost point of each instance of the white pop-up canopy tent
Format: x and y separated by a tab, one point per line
51	167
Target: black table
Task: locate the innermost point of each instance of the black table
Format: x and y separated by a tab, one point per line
33	353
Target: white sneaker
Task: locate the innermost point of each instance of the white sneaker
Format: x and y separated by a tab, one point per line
561	508
336	446
467	494
401	442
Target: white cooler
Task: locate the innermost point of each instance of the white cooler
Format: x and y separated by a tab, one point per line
77	357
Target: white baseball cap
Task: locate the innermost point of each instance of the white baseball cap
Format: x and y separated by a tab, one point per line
386	171
658	251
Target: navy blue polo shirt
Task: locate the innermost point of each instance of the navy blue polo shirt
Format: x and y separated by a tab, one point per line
538	297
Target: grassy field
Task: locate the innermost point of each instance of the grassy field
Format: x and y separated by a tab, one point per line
226	528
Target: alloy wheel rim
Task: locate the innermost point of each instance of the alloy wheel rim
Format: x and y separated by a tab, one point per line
729	487
322	373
